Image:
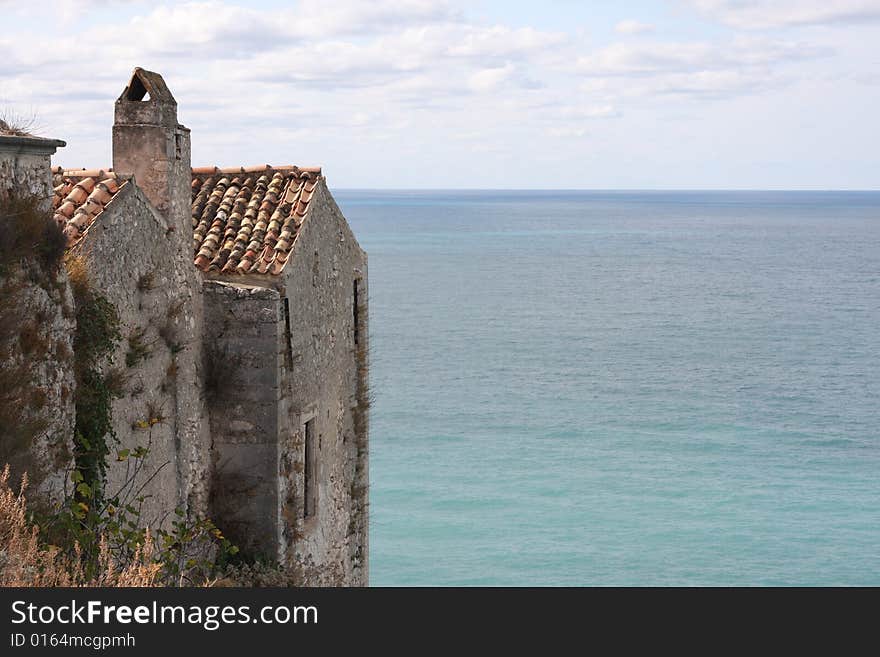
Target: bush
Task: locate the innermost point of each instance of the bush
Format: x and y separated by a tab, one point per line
96	537
29	233
25	560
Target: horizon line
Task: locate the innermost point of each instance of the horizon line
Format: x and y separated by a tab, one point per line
603	189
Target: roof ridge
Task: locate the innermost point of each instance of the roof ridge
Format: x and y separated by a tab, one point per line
197	171
84	173
259	168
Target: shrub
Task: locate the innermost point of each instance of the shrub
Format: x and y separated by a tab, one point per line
25	560
138	349
29	233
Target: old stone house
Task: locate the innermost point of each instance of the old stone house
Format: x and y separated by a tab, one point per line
242	295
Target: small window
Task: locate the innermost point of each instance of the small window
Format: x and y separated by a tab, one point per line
310	462
356	310
178	146
288	336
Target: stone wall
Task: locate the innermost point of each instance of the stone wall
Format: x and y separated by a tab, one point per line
24	165
320	377
37	323
131	259
36	348
242	338
283	354
217	379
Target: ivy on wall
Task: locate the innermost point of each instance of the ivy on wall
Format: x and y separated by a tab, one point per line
97	334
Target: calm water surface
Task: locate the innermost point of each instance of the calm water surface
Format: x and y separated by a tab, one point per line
591	388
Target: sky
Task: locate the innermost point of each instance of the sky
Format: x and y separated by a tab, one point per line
557	94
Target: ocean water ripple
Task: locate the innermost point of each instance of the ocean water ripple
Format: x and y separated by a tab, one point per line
596	388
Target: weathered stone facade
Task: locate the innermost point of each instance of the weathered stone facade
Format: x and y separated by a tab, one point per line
287	353
38	344
159	357
24	165
248	388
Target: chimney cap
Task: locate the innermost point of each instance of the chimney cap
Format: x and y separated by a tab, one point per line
145	83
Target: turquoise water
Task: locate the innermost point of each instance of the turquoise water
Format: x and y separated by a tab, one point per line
592	388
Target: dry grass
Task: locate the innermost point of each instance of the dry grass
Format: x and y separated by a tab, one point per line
30	233
147	282
138	348
256	575
26	561
168	333
17	124
77	273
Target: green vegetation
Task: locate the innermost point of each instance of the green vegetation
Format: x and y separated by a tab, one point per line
94	521
95	536
138	349
29	236
97	334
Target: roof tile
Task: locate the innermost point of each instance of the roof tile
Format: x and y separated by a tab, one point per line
245	220
80	196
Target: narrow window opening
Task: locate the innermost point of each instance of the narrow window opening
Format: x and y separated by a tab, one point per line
288	336
137	91
310	491
178	146
356	312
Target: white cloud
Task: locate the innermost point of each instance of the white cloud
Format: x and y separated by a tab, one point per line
587	112
711	70
315	80
632	27
489	79
652	58
502	41
318	18
563	132
759	15
715	84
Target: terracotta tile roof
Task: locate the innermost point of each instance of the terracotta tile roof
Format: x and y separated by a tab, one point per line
80	196
245	219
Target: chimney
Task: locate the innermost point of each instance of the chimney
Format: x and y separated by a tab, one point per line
149	143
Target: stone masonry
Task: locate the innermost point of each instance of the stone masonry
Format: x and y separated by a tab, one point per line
24	170
242	298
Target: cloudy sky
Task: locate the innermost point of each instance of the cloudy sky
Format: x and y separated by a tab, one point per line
681	94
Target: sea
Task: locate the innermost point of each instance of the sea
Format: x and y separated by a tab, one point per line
593	388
